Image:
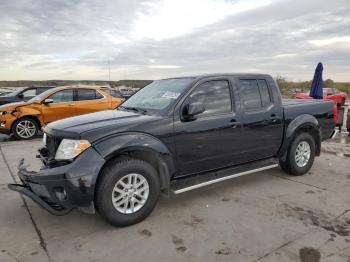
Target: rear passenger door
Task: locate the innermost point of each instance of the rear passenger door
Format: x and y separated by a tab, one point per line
261	118
90	100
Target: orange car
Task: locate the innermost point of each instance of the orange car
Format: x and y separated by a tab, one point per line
24	119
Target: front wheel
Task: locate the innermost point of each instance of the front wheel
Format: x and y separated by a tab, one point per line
25	128
300	155
127	192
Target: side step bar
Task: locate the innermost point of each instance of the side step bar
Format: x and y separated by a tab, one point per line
182	185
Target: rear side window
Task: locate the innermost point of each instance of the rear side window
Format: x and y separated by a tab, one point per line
255	94
215	95
62	96
88	94
264	93
250	92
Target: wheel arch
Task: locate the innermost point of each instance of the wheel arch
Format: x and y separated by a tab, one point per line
33	117
140	146
302	124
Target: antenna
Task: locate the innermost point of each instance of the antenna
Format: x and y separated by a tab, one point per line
109	71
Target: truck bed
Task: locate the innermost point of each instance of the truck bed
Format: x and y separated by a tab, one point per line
322	110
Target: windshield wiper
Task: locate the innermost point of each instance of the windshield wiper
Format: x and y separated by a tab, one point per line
135	109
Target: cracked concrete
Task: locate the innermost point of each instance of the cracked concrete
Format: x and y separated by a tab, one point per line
268	216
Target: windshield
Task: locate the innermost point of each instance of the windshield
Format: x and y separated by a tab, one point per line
158	95
41	96
14	93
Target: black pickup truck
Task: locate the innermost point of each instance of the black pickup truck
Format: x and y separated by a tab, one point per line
172	136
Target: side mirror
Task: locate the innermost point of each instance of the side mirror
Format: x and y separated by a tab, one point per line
48	101
20	96
193	109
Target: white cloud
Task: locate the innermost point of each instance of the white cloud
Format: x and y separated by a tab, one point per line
164	66
149	39
330	41
171	18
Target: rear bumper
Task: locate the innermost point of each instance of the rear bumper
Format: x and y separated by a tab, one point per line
63	188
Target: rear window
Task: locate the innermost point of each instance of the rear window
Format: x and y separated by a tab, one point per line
88	94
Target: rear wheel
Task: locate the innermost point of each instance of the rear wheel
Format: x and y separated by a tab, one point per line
25	128
300	155
128	191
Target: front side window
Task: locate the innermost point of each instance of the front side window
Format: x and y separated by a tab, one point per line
88	94
62	96
215	95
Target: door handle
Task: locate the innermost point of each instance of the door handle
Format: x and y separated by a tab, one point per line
273	118
234	124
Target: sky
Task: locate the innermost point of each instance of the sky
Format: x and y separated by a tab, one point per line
152	39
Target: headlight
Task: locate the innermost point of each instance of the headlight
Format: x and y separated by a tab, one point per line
6	112
69	149
44	138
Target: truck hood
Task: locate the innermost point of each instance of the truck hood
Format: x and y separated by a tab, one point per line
98	125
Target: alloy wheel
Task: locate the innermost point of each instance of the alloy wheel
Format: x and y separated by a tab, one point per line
302	154
26	129
130	193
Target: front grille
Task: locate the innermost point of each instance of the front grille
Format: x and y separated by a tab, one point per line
52	144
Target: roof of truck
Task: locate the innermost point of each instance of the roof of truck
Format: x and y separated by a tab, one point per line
222	74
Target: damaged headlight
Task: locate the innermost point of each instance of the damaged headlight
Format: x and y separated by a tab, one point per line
2	113
69	149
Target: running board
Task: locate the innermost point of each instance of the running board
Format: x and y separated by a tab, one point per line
185	184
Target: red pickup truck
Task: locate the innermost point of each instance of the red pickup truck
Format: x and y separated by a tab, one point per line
328	93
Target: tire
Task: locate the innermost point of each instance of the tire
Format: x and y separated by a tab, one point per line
25	128
113	177
297	168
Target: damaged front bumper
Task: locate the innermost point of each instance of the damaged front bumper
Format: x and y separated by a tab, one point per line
62	188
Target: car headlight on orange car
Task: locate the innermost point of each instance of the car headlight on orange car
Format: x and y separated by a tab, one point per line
69	149
6	112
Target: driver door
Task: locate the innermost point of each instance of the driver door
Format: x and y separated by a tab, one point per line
208	141
63	106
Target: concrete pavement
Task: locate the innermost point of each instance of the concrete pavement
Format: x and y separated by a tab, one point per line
267	216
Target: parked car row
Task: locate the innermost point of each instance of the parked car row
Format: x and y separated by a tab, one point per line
24	119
